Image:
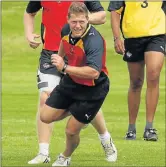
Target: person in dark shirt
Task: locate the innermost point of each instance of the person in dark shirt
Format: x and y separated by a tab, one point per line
142	24
85	84
54	17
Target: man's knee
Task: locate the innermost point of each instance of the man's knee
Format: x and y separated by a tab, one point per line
136	85
71	132
49	114
153	76
44	117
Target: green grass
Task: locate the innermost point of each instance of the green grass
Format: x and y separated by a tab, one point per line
19	104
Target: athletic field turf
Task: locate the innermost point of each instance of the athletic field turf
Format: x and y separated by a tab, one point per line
19	104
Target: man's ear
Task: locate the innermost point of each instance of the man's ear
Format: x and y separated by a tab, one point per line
87	17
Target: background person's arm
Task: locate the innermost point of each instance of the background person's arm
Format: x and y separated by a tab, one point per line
116	7
97	14
97	18
115	25
29	18
164	6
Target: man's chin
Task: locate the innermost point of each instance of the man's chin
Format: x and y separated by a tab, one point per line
77	35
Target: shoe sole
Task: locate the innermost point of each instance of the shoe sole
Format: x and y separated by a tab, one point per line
46	161
134	138
150	139
38	163
130	138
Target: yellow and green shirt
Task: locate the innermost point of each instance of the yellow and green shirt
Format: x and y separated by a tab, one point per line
140	18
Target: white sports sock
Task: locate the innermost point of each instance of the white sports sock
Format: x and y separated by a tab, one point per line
104	137
44	148
63	155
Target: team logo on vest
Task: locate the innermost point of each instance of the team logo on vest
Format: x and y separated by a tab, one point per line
91	33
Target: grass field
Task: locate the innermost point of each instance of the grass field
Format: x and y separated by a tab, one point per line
19	104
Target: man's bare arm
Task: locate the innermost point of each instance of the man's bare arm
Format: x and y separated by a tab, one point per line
97	18
29	19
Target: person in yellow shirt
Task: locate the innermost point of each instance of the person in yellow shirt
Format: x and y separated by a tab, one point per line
142	24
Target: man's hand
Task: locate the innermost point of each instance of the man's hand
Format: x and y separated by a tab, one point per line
57	61
119	46
32	42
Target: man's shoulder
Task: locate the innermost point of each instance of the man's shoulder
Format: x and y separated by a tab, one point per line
115	5
92	35
93	40
33	6
94	6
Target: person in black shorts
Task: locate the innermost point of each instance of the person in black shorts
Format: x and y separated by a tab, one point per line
54	17
85	84
142	25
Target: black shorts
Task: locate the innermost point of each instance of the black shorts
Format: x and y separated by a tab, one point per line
45	65
83	107
48	77
136	47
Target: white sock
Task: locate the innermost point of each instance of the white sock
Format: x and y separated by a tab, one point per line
104	137
64	156
44	148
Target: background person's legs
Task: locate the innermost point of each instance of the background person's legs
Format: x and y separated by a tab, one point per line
44	130
136	74
45	126
46	83
154	62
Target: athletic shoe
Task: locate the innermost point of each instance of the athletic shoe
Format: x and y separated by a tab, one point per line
62	161
110	151
131	135
150	135
40	158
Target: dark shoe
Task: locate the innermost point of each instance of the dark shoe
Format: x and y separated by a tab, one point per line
131	135
150	135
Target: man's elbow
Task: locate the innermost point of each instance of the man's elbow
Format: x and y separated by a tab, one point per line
103	17
103	20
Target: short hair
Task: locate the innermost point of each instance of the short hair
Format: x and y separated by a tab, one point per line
77	8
